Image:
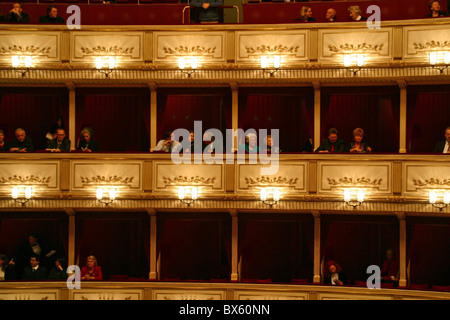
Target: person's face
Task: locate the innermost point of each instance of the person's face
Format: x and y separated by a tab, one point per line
269	142
309	13
435	6
333	137
20	135
353	14
60	135
358	138
389	254
252	141
17	7
86	137
90	263
330	14
332	268
447	135
32	241
191	137
53	13
2	137
34	262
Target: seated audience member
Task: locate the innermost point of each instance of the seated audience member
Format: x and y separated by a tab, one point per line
35	271
355	13
214	146
6	269
208	12
4	146
188	146
330	16
167	144
92	271
17	15
333	274
308	145
87	143
332	143
390	268
52	16
34	246
444	146
60	144
250	144
306	15
270	145
58	272
357	145
435	10
21	143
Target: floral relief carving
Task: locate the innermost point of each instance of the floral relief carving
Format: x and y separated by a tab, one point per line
107	180
363	181
270	180
189	180
15	49
432	45
432	182
278	49
189	50
346	47
15	179
116	50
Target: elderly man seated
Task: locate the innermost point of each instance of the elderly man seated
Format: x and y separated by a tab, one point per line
21	143
355	13
60	144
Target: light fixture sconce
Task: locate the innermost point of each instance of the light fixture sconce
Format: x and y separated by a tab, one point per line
433	199
439	60
270	196
27	63
187	195
184	62
105	65
27	194
110	192
276	62
354	62
348	195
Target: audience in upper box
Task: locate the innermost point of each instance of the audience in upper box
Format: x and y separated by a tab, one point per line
87	143
4	146
35	271
332	143
60	143
444	146
357	145
21	143
390	269
330	15
58	272
208	11
52	16
17	15
7	271
306	15
250	144
435	10
270	147
34	247
333	274
92	271
355	13
167	143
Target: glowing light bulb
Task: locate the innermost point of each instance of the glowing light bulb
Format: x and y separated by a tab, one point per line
447	57
99	193
194	62
14	192
264	62
432	195
447	197
194	193
28	192
359	60
276	194
263	194
276	62
181	63
112	193
15	61
433	58
360	195
347	195
181	193
111	63
347	60
28	61
99	63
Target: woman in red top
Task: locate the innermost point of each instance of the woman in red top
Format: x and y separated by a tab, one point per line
92	271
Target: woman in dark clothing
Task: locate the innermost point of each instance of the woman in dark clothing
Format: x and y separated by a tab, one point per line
357	145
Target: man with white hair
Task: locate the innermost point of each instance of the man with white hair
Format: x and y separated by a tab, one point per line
355	13
21	143
330	15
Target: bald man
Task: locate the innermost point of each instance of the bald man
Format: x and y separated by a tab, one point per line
21	143
330	16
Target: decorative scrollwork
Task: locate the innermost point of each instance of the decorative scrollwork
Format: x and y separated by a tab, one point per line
312	197
106	51
189	180
65	196
15	179
230	197
189	50
278	49
396	199
353	48
15	49
147	196
107	180
271	181
363	181
432	45
432	182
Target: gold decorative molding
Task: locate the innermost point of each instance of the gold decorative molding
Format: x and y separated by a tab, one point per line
183	50
271	181
312	197
108	51
363	181
24	50
356	48
65	196
278	49
230	197
106	180
147	196
188	180
432	182
396	199
432	45
15	179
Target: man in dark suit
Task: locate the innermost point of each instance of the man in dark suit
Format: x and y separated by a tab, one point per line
444	146
34	271
61	143
332	144
34	247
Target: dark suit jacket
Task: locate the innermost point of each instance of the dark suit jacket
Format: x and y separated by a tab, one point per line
64	147
39	274
342	277
339	146
93	145
440	146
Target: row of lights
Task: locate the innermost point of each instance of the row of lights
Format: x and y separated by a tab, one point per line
269	196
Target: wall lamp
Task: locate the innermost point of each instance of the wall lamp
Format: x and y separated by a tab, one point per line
26	191
26	61
270	196
184	62
433	199
439	60
354	62
276	63
107	195
348	198
187	195
105	65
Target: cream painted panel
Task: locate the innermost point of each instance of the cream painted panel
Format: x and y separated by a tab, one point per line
343	296
261	295
419	177
29	294
86	175
42	175
111	294
187	295
418	41
41	45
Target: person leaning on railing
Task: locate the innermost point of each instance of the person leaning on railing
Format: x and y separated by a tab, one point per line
208	12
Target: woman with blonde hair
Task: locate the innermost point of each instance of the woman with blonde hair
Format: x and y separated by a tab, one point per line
306	15
357	145
92	271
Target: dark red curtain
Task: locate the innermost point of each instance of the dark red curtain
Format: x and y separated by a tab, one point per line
117	240
358	243
291	110
374	109
428	249
428	116
275	248
120	117
179	108
33	109
194	248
